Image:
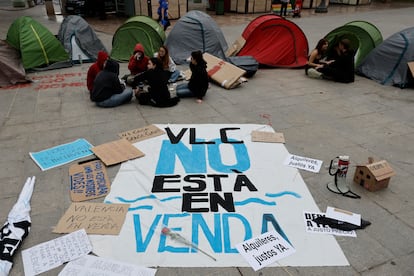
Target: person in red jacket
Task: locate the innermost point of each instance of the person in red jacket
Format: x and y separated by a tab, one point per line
137	63
95	68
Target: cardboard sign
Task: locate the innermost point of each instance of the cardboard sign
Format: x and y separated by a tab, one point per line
265	249
222	72
304	163
51	254
236	47
140	134
88	181
116	152
95	218
411	66
267	137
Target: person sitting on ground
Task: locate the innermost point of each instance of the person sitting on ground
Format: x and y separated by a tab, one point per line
198	83
95	68
137	64
158	94
108	91
342	69
168	64
317	59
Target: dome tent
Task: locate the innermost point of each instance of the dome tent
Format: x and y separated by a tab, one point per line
137	29
363	36
274	41
388	62
196	30
39	48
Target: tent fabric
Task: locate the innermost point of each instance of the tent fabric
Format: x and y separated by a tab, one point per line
363	35
137	29
194	31
79	39
39	48
11	68
276	42
387	63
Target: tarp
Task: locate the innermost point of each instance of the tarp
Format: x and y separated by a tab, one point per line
11	67
39	48
275	41
79	39
387	63
215	187
137	29
363	35
194	31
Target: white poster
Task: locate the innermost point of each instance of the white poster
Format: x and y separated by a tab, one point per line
313	227
215	188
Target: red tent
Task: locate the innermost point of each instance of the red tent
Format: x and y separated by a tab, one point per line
275	41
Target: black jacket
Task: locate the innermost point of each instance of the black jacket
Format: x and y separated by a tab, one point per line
198	83
107	82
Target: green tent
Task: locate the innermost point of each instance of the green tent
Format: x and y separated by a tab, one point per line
38	47
137	29
363	35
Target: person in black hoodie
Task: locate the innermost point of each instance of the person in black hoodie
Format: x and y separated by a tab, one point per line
158	94
198	84
108	91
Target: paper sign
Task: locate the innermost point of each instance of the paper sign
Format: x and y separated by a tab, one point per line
95	218
267	137
51	254
88	181
304	163
116	152
343	215
265	249
140	134
313	227
92	265
63	154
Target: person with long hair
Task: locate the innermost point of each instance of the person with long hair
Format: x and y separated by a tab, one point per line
315	60
168	64
158	94
198	83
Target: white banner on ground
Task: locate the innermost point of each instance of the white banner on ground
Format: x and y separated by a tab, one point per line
215	188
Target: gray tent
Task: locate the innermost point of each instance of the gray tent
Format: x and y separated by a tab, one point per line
387	63
11	67
196	30
79	39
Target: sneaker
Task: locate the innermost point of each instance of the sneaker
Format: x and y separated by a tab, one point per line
312	73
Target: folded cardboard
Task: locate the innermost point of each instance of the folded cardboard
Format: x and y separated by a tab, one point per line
236	47
222	72
374	176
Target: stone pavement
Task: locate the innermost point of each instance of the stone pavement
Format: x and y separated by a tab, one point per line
319	119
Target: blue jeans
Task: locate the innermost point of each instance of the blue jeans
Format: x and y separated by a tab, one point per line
117	99
183	91
174	76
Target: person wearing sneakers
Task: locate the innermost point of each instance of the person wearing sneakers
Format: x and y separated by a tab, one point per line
198	83
316	59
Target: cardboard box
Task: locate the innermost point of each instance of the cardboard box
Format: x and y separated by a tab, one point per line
374	176
222	72
236	47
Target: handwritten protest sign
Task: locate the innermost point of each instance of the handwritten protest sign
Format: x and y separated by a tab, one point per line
116	152
268	137
63	154
303	163
92	265
265	249
95	218
88	181
140	134
51	254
